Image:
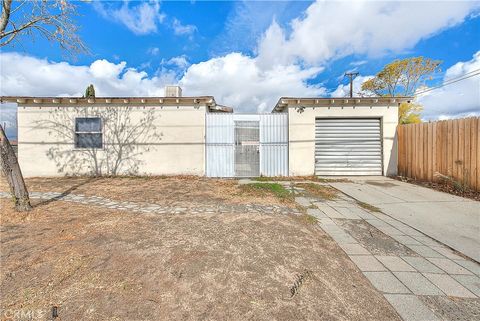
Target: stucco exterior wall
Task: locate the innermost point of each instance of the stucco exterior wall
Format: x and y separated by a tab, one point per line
154	140
302	134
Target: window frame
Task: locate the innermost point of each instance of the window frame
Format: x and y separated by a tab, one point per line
75	133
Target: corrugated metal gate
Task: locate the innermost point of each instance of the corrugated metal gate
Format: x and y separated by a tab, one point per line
247	148
346	146
242	145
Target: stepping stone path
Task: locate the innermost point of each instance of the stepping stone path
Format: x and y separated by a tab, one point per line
159	209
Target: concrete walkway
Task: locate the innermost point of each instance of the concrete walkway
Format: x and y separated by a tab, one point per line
421	278
452	220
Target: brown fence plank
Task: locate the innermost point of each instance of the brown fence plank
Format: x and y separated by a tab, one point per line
426	150
461	149
444	148
474	153
403	156
412	152
456	166
420	143
401	152
429	151
466	157
450	148
408	157
478	155
439	147
447	147
434	150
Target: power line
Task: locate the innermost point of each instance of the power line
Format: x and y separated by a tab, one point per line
452	81
470	72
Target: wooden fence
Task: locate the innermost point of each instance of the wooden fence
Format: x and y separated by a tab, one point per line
449	148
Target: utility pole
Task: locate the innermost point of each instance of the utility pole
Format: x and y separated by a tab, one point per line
351	75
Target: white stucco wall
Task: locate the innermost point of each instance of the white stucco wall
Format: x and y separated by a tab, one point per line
302	134
170	142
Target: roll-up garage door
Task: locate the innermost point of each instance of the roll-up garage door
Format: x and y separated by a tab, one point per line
345	146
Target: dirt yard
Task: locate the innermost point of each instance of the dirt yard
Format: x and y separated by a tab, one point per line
95	263
182	191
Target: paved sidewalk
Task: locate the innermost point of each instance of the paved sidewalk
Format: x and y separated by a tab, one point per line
420	277
450	219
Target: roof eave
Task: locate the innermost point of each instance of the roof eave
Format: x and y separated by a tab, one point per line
285	102
208	101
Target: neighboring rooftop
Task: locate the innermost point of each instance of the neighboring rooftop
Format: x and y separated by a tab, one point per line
286	102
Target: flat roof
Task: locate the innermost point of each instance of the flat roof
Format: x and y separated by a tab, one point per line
286	102
209	101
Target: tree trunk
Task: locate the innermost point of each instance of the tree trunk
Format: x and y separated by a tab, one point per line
14	176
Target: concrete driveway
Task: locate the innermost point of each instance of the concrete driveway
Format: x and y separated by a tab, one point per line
452	220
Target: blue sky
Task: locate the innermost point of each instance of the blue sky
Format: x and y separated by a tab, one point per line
248	54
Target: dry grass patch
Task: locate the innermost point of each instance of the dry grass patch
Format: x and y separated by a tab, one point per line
181	191
308	219
322	191
268	189
301	178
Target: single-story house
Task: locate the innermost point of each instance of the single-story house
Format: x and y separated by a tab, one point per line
112	135
177	135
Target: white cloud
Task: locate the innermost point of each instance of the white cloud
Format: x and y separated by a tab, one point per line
458	99
103	69
237	80
30	76
358	63
234	79
141	19
332	29
8	119
344	90
154	51
180	29
179	62
246	23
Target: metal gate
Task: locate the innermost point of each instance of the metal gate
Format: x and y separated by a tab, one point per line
246	145
346	146
247	148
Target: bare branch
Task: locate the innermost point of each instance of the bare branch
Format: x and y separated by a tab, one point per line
49	19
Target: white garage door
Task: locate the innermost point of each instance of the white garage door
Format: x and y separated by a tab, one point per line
348	146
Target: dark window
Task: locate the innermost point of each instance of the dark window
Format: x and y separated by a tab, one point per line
88	133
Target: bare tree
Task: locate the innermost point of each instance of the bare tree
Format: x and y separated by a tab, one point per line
13	174
51	19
